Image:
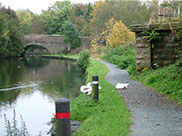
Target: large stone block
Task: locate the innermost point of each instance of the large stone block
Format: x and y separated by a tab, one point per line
141	45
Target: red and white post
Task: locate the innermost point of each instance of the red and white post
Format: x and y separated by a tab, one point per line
63	117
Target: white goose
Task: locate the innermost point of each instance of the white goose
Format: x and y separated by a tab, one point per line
121	86
86	89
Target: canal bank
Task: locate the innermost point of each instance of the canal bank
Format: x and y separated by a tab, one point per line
61	56
109	116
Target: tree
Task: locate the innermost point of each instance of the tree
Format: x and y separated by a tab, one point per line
3	35
11	42
78	15
37	27
55	16
88	12
25	17
98	17
118	35
29	22
130	12
79	12
71	35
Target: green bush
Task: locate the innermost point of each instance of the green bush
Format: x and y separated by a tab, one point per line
124	63
115	59
83	60
123	57
71	35
11	38
132	68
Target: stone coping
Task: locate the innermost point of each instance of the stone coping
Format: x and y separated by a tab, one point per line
156	26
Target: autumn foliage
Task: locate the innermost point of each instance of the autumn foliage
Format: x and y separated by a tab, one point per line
96	22
118	34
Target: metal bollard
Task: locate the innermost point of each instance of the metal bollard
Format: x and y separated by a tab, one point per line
95	87
63	117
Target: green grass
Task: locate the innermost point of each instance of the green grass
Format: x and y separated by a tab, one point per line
69	56
107	117
166	80
57	55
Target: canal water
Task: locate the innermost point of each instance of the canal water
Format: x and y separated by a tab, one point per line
29	88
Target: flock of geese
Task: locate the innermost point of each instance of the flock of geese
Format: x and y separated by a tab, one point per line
87	89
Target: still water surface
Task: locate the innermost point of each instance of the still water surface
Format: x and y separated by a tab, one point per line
31	86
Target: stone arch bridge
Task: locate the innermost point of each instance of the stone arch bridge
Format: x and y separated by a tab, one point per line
54	44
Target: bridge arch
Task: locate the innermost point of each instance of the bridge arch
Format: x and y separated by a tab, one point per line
37	47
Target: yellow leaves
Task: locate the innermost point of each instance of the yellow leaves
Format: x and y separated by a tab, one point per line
145	69
96	49
110	23
119	34
115	34
98	5
94	45
6	33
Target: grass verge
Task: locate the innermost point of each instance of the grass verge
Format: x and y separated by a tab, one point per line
63	56
71	56
166	80
107	117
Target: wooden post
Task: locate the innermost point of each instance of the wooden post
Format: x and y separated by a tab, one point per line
63	117
95	87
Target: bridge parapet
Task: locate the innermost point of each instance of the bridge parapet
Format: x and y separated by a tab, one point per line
162	52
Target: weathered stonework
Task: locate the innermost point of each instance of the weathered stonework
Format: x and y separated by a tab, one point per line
143	52
53	43
164	51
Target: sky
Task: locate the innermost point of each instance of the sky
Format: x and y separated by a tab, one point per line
36	6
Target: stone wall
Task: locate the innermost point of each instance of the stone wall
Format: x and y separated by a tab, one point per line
143	52
164	51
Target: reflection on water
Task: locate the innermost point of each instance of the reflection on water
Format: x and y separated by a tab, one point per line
31	86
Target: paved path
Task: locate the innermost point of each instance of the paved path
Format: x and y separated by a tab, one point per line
152	113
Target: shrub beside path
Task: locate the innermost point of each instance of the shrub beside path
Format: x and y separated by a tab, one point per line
152	113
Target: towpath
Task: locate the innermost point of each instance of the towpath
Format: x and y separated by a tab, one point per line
152	113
